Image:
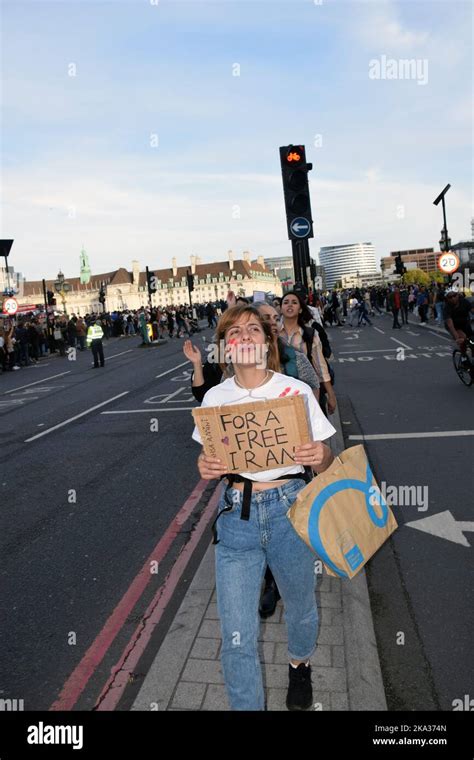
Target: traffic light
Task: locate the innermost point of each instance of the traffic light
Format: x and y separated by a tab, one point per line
445	242
399	267
51	298
294	170
102	295
151	282
190	279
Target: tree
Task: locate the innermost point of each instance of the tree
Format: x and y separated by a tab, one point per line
436	276
416	276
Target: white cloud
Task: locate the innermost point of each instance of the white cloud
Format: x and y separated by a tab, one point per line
193	214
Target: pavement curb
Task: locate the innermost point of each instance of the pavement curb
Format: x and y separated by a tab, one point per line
186	675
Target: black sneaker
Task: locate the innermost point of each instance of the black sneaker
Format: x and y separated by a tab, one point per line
300	691
269	599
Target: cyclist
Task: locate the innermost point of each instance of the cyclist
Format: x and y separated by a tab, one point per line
457	318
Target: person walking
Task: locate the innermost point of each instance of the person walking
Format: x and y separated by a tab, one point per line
422	303
81	332
395	305
252	529
295	333
95	335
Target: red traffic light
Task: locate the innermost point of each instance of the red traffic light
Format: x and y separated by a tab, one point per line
294	156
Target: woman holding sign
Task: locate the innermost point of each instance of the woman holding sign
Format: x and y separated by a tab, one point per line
252	527
291	362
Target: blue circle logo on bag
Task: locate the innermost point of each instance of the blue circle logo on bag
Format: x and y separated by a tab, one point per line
328	535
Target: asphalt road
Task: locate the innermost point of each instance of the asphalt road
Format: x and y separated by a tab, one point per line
420	583
84	505
89	487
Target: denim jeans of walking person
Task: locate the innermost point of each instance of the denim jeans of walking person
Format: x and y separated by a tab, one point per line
243	551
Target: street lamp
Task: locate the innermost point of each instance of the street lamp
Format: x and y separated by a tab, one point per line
445	242
62	287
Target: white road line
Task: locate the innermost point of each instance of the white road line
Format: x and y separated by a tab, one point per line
393	436
369	351
435	332
37	381
379	330
120	354
148	411
173	369
402	344
410	332
76	417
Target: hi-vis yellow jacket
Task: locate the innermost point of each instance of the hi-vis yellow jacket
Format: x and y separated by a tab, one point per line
94	332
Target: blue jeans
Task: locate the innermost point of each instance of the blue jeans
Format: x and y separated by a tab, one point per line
243	551
439	312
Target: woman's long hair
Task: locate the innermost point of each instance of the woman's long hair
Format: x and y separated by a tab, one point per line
228	320
305	315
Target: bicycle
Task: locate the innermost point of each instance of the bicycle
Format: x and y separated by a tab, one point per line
464	361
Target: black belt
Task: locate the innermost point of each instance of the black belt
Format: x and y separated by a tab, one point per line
247	494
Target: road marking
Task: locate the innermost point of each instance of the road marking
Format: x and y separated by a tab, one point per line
410	332
173	369
120	354
76	417
443	337
37	381
444	525
134	649
148	411
379	330
393	436
91	660
368	351
402	344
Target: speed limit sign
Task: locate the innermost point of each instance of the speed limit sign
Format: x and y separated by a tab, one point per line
448	262
10	306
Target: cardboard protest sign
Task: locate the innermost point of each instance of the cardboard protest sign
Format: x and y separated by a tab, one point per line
255	436
342	514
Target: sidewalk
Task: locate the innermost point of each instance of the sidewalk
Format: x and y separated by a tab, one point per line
186	672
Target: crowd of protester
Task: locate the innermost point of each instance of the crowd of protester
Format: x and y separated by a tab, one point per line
26	339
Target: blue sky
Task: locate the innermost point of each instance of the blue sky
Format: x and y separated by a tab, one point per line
78	163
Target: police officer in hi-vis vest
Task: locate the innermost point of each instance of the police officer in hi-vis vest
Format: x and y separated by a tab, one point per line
94	341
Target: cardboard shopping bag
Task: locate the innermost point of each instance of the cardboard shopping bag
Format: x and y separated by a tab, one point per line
342	514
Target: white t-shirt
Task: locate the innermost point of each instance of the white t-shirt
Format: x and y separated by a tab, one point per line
228	392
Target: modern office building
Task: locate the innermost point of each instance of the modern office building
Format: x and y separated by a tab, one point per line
354	258
425	259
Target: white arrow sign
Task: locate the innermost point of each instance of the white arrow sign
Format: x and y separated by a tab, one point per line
444	525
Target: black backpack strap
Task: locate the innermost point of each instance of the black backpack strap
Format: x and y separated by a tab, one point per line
308	337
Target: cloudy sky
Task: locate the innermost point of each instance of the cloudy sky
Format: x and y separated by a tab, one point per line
150	129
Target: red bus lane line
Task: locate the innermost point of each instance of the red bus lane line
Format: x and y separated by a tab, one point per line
121	672
79	678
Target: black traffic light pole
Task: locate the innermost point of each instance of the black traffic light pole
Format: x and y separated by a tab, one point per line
5	246
189	279
45	300
294	169
150	302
